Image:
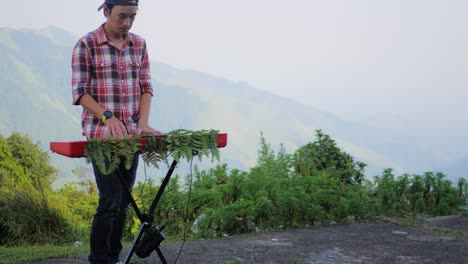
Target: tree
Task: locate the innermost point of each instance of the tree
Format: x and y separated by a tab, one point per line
385	193
463	190
324	155
11	172
25	162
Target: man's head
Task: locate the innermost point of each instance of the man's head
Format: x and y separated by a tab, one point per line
120	15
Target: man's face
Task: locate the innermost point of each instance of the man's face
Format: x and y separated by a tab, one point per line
121	18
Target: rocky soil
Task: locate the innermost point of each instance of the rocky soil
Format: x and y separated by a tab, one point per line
440	240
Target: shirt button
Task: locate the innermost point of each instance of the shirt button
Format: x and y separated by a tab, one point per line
122	80
123	94
121	67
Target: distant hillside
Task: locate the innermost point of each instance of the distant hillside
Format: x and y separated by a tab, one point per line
35	77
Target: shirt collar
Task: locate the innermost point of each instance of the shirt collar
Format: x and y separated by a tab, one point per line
102	37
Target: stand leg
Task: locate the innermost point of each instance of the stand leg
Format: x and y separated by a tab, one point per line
135	242
147	219
161	256
162	188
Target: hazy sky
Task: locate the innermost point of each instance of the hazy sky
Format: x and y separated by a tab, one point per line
355	58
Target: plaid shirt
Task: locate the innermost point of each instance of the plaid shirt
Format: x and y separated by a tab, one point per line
114	78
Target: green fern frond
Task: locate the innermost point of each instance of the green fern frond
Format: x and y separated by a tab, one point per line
178	144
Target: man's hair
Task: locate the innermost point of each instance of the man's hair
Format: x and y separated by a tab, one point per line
109	7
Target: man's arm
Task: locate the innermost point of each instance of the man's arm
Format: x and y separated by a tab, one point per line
146	96
115	126
143	122
145	106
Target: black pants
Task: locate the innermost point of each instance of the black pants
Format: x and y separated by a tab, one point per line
109	220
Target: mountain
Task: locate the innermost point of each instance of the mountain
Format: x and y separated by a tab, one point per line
35	79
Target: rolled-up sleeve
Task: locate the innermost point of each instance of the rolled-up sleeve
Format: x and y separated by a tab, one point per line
81	71
145	75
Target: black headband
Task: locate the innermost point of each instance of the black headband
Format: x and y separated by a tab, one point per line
120	3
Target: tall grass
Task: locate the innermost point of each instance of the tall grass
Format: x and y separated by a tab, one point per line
27	216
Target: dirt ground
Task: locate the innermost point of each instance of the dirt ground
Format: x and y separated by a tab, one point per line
369	242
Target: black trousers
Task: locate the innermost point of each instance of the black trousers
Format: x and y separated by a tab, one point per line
109	221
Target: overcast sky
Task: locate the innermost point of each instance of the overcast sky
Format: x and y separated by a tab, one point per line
355	58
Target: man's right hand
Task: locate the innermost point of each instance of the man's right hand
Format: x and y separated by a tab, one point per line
115	128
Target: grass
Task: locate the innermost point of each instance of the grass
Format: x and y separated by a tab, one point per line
23	253
11	255
18	254
420	221
456	233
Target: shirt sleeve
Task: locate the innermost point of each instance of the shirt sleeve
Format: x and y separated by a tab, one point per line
81	71
145	74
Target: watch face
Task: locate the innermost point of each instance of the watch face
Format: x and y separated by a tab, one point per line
108	114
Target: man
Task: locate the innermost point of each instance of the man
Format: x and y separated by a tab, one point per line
111	81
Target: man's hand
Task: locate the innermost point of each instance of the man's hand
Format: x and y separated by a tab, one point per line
116	128
147	129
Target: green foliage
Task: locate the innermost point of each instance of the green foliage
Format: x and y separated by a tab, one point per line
11	172
177	144
462	185
30	211
110	152
324	155
181	144
27	216
81	203
273	195
29	253
416	194
23	162
171	208
281	191
231	219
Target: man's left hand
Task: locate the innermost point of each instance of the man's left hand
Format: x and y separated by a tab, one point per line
147	129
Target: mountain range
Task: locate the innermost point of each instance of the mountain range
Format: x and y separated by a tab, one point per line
35	81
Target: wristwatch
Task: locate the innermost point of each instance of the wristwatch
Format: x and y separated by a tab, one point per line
106	115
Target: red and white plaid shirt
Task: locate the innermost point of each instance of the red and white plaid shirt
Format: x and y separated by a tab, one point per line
114	78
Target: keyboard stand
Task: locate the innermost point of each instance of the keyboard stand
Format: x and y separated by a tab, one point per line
147	219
